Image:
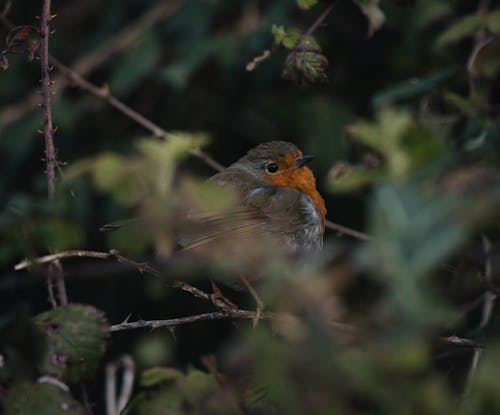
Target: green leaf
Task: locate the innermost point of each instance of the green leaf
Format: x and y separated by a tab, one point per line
57	233
158	375
306	63
289	38
197	384
386	136
411	235
77	340
462	104
306	4
278	33
464	27
354	179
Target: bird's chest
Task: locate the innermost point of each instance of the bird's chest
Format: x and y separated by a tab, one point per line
309	236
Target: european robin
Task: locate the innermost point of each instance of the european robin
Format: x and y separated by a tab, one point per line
277	198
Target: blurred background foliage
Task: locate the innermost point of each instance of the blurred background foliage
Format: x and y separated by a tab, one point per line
406	137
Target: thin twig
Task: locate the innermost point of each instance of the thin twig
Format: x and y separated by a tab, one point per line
347	231
50	153
112	254
174	322
319	21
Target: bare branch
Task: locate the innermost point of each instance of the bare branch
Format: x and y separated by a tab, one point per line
259	59
112	254
347	231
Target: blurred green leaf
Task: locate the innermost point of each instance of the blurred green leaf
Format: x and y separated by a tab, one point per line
57	233
157	375
289	38
174	392
153	349
385	136
462	104
411	234
355	178
466	26
404	144
306	4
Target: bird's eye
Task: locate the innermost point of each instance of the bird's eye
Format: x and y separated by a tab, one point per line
272	167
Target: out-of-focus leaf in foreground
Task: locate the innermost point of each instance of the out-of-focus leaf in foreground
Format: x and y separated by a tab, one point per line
411	235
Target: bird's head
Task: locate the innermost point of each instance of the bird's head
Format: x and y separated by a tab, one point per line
281	163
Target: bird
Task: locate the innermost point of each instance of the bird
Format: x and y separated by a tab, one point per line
277	200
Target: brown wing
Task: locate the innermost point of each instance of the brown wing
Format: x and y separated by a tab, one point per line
265	214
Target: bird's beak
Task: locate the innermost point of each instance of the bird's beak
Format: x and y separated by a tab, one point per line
302	160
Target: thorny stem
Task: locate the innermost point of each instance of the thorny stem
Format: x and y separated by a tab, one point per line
50	156
55	272
174	322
